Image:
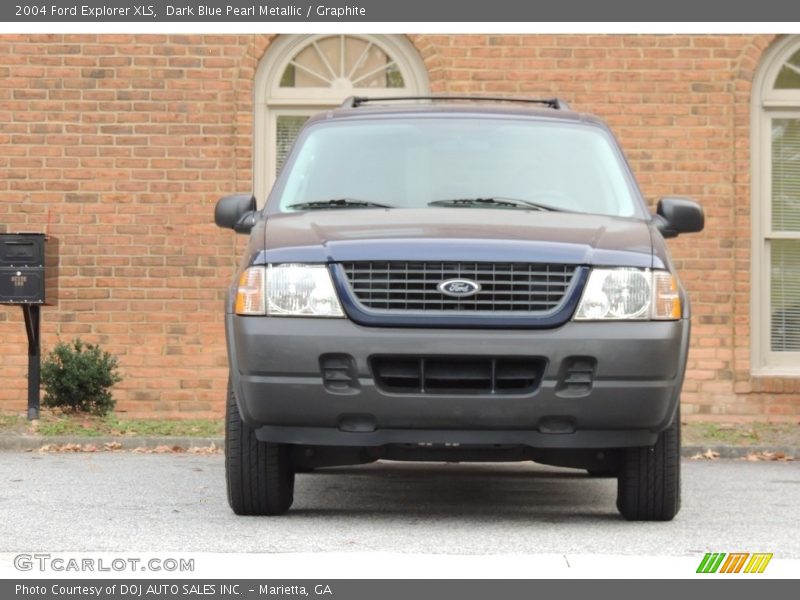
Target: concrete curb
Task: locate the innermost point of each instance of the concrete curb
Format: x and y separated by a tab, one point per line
27	443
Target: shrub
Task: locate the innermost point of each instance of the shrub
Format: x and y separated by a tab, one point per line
77	377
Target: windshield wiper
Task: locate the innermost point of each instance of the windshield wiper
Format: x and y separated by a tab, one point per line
496	202
338	203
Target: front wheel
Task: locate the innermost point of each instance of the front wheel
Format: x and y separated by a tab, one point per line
259	475
649	479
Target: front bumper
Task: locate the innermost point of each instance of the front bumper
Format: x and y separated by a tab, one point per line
276	374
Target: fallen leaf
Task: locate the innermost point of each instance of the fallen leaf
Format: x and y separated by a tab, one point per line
89	448
771	456
212	449
110	446
711	454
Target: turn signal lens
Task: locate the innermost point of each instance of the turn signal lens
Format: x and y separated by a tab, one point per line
666	299
250	295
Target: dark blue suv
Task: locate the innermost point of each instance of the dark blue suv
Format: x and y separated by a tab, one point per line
456	279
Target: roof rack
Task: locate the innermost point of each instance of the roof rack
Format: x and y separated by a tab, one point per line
356	101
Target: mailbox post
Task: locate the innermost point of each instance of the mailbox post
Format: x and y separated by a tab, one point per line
29	278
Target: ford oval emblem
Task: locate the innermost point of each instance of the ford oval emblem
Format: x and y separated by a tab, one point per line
459	288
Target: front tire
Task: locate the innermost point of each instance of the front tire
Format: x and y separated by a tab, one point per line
649	479
259	476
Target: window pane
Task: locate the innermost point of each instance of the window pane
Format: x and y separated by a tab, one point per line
789	75
331	49
355	51
308	69
786	174
394	79
785	295
374	70
288	126
287	79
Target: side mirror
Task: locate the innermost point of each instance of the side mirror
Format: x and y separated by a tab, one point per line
237	212
679	215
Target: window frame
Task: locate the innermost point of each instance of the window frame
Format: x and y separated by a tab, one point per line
768	104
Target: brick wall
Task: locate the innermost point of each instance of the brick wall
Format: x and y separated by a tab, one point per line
123	144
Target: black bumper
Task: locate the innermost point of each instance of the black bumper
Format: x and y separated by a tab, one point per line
635	387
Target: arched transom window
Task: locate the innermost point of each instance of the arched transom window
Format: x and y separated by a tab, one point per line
301	75
342	62
776	211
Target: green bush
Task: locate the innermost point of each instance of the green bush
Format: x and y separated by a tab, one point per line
77	377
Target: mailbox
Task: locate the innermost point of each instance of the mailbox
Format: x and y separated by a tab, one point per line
29	279
28	268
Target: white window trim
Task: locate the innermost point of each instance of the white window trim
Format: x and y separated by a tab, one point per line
270	97
766	104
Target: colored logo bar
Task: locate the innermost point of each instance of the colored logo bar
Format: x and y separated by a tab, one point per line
735	562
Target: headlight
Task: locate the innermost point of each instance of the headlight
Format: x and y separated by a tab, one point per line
288	290
625	294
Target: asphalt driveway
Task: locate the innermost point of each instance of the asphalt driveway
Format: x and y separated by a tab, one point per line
176	502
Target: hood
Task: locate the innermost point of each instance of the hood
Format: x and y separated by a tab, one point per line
456	234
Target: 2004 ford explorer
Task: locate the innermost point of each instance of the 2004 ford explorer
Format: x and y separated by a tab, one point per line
456	279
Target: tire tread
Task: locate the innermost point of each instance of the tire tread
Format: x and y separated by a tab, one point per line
259	477
649	482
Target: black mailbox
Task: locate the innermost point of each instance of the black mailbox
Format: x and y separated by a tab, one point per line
29	279
28	268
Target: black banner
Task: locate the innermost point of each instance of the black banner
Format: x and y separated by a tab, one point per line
442	11
372	589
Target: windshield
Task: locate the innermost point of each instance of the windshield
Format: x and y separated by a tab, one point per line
457	162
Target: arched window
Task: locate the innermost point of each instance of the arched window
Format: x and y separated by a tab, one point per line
776	211
301	75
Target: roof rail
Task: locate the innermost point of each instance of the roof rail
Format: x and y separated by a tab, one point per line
356	101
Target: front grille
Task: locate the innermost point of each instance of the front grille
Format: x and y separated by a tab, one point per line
505	287
457	374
